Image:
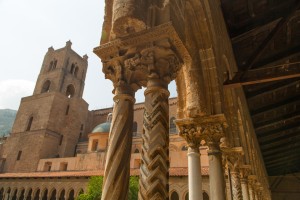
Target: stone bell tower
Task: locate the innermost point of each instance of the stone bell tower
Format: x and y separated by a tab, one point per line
50	122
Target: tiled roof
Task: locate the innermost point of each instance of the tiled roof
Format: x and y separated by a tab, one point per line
134	172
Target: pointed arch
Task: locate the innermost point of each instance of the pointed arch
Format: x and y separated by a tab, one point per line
37	194
29	124
174	195
70	92
46	86
62	194
71	194
29	194
53	194
205	196
76	71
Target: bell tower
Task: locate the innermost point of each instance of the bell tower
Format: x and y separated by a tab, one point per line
50	122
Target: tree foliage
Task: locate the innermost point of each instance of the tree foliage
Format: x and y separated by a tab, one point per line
94	189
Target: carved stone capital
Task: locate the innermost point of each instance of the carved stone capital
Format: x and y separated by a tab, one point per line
232	157
208	128
245	171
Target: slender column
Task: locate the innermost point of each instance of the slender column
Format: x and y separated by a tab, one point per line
195	176
162	68
213	130
155	150
216	176
232	157
245	170
117	166
245	191
189	133
251	192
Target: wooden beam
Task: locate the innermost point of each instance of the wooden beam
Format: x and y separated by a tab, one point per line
256	76
281	154
287	159
280	137
280	149
286	127
264	45
278	118
275	146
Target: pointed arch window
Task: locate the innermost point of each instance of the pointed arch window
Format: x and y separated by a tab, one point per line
70	91
29	124
72	70
173	129
76	71
46	87
174	196
205	196
134	129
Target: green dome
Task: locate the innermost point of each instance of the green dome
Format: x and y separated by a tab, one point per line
102	128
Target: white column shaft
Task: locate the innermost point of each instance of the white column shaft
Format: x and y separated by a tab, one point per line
195	176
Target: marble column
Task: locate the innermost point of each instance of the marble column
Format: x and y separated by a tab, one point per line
117	166
189	132
245	171
194	173
216	174
245	190
162	68
232	156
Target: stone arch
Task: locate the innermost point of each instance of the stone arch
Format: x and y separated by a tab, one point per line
72	70
1	193
173	148
14	194
29	123
44	194
70	91
186	195
205	196
21	193
79	192
76	71
174	195
62	194
46	86
29	194
71	194
52	194
134	128
37	194
7	193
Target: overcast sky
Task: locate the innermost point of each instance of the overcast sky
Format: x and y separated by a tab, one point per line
29	27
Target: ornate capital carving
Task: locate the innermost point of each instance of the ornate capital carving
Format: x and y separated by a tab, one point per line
232	157
208	128
191	135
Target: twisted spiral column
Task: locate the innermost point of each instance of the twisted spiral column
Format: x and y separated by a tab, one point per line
236	185
117	167
155	150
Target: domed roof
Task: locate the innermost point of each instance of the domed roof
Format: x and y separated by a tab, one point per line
102	128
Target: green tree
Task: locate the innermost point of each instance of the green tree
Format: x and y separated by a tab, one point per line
133	188
95	185
94	189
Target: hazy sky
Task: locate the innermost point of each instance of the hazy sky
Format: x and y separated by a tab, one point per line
29	27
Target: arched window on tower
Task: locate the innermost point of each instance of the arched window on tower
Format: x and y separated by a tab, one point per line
29	124
70	91
72	70
50	66
134	129
54	64
46	87
173	129
174	196
76	71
